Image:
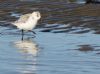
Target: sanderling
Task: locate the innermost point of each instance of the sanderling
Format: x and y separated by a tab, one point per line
27	22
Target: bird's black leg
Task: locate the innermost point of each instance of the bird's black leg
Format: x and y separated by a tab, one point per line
22	34
32	32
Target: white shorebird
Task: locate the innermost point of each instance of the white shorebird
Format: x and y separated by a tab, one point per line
27	22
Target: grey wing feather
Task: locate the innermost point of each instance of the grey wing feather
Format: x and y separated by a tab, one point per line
23	18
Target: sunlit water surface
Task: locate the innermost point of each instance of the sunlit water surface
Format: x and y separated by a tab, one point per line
50	53
63	44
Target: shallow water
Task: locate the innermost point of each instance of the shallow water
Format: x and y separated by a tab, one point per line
63	44
50	53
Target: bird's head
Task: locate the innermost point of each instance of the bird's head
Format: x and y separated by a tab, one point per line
36	15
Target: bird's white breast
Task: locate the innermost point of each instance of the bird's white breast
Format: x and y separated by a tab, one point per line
28	25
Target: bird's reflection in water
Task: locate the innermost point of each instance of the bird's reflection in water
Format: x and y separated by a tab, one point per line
27	46
29	49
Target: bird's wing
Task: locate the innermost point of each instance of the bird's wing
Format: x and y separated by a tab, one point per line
23	18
